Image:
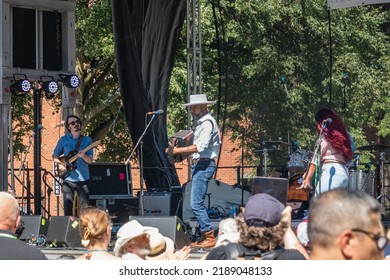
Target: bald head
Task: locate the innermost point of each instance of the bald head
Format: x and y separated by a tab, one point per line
9	212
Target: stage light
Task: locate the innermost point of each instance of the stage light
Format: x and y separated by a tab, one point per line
20	86
49	86
70	81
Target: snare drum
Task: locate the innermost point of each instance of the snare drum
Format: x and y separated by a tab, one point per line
362	181
294	194
299	161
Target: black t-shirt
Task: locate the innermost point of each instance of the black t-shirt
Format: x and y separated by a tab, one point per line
219	253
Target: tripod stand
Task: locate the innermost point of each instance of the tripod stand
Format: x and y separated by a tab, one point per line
382	196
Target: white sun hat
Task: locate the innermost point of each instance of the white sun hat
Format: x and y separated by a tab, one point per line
198	99
127	232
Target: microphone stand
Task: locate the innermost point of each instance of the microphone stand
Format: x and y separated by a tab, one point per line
141	169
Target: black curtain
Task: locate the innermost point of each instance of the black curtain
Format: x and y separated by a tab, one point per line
146	37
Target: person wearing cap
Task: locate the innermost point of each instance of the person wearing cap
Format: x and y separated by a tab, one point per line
265	230
346	225
205	151
133	241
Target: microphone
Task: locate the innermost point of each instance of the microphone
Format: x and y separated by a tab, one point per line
158	112
326	121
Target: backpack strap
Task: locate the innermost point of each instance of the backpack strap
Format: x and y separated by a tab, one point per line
273	254
236	251
233	251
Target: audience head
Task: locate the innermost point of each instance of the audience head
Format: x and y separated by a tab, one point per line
227	231
161	247
133	238
9	212
345	224
264	222
95	226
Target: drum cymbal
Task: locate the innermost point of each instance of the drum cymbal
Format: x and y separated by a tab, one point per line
374	147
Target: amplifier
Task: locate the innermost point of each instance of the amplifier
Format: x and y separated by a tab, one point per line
109	180
119	209
162	203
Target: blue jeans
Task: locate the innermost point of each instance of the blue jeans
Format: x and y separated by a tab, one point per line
333	175
202	172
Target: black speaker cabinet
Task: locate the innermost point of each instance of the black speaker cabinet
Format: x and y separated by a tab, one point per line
172	227
274	186
109	180
162	203
64	231
34	226
119	209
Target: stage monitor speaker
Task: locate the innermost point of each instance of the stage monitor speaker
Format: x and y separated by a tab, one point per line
119	209
274	186
170	226
64	231
219	195
109	180
162	203
34	226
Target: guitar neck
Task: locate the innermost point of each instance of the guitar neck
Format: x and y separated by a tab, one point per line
74	158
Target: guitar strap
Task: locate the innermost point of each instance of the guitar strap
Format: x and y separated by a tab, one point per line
79	143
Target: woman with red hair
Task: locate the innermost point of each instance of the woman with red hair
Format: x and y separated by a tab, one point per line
336	149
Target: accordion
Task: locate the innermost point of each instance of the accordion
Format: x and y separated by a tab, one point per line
183	138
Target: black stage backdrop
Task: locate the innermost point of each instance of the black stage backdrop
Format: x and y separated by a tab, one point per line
146	37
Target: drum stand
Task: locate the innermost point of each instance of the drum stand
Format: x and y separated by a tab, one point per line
382	196
265	156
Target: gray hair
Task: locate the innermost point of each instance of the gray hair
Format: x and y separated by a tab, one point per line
337	210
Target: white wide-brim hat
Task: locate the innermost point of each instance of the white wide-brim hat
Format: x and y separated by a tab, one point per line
127	232
198	99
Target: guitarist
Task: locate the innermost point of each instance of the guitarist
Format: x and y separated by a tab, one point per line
77	173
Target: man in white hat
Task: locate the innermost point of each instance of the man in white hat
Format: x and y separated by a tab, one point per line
133	241
205	151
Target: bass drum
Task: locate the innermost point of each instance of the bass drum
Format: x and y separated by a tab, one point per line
362	181
295	181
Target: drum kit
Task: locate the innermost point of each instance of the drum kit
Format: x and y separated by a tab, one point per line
361	175
298	161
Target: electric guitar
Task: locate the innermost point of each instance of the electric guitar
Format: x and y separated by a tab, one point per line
70	158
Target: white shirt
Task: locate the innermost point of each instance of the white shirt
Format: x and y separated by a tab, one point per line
206	138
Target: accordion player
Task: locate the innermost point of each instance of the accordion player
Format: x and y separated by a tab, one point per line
183	138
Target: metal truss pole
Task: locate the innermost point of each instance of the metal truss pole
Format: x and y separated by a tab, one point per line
194	55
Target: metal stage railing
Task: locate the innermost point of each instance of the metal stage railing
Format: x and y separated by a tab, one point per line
24	192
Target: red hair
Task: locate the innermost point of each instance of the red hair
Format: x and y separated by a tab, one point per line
335	132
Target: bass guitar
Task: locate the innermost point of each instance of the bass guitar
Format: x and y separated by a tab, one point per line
70	158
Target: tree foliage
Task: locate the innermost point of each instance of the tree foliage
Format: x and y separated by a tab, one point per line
283	60
271	64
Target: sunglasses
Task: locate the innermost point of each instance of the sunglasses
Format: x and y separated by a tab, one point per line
74	122
381	241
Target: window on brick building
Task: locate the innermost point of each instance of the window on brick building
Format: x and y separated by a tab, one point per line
36	39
